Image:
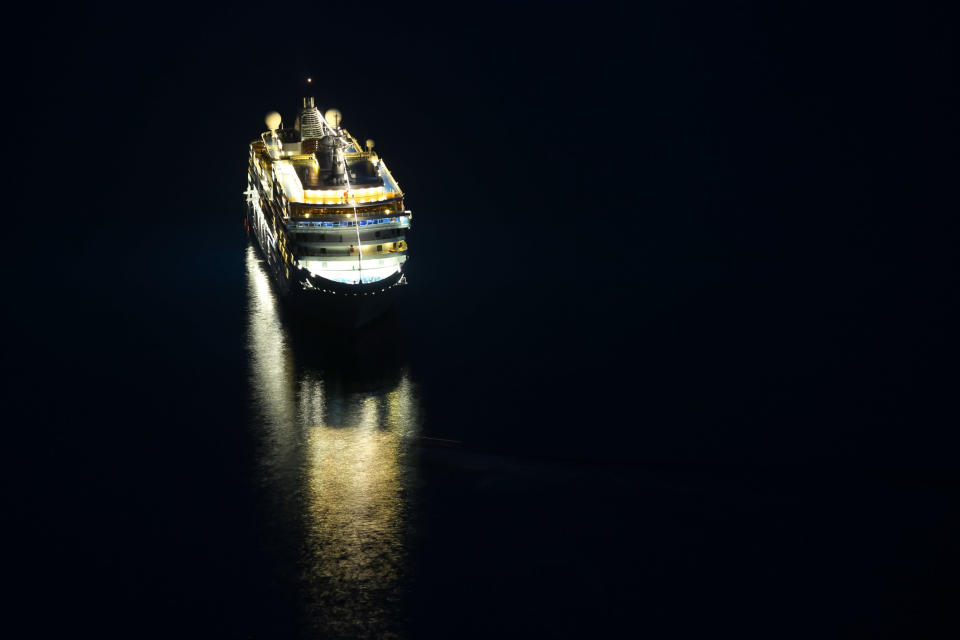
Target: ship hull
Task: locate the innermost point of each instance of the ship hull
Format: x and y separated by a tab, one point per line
347	310
333	303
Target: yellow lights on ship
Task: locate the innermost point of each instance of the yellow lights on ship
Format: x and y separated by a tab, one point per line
338	196
360	193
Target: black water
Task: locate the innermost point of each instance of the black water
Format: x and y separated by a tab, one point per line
682	302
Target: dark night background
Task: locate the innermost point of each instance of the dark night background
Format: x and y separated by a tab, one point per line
741	418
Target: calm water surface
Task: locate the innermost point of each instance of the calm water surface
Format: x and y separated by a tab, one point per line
311	508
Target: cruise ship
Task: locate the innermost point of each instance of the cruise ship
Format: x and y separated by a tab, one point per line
328	217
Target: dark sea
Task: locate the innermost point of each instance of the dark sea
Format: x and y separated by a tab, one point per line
676	358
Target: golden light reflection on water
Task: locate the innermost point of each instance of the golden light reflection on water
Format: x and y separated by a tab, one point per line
339	455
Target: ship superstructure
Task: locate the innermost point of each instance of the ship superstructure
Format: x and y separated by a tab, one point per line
328	216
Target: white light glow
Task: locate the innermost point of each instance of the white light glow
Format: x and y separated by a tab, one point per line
343	271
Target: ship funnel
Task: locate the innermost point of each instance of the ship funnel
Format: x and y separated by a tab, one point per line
310	125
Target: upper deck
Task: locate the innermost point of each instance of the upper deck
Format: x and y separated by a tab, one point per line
303	173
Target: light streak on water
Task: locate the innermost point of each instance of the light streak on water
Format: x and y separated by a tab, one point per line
337	457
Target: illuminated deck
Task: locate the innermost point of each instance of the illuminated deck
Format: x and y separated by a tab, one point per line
326	208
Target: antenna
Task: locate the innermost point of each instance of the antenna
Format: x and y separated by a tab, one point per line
273	120
369	144
333	118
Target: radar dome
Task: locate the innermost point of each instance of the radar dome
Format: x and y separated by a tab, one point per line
333	117
369	143
273	120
